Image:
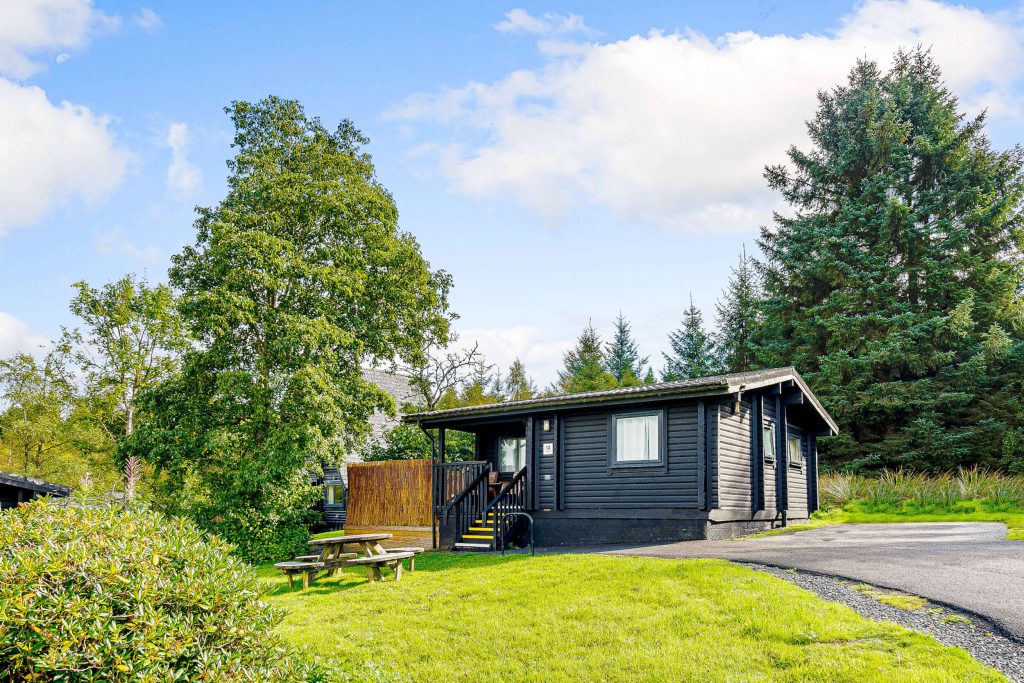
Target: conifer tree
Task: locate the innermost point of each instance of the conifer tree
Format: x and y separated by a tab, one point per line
737	314
482	387
894	284
585	365
693	351
622	358
518	386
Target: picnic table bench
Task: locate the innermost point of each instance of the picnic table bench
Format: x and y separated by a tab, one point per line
332	558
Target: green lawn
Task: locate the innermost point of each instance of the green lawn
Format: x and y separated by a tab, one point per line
592	617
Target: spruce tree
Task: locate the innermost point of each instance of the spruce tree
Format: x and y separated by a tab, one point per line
623	359
894	284
518	386
693	351
585	365
737	316
483	386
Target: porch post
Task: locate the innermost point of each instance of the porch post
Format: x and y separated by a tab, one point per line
440	444
531	459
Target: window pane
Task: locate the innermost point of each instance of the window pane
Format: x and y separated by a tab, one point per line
512	455
636	438
769	441
795	452
330	495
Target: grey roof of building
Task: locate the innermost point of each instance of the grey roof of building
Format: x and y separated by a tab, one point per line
704	386
31	483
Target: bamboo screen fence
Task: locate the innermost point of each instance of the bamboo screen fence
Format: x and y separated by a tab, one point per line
389	493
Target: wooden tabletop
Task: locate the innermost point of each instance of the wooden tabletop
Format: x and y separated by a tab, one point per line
354	538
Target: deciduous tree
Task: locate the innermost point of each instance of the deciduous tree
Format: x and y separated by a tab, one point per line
297	278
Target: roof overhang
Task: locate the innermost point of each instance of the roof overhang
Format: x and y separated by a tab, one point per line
719	385
32	484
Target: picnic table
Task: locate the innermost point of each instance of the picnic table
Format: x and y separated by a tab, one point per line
333	556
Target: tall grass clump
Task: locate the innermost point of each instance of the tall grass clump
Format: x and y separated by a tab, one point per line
965	490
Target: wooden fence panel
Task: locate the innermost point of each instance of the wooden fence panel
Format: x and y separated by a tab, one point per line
389	493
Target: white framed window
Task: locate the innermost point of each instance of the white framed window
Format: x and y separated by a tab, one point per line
334	495
511	454
796	451
768	441
637	438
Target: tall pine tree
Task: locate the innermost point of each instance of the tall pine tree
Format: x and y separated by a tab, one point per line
693	351
585	365
894	285
737	316
518	386
623	358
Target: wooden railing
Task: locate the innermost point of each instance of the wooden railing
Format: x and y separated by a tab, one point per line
511	498
466	507
452	478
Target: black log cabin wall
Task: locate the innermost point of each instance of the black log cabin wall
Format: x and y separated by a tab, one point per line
547	463
709	478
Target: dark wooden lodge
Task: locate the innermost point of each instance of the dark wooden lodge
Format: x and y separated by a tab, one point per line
17	488
707	458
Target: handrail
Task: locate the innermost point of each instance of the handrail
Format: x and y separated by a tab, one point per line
469	489
505	489
450	478
511	499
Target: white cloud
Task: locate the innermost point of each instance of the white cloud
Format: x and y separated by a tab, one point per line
675	129
148	20
116	242
521	21
540	352
28	27
51	154
15	336
183	177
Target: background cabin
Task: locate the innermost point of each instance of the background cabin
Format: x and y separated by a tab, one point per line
708	458
18	488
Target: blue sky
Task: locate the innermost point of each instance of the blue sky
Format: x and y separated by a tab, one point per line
564	161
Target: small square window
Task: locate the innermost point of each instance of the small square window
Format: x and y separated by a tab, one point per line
637	439
334	495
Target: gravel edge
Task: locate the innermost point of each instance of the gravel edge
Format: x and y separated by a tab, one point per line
984	640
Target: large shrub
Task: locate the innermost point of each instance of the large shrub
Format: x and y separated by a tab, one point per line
94	591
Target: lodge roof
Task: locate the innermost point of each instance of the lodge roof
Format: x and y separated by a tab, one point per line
717	385
22	481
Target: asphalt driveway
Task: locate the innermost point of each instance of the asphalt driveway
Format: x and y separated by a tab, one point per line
966	565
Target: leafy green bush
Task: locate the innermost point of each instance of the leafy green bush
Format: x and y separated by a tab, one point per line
261	536
93	591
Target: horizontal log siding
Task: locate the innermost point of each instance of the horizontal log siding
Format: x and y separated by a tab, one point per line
769	468
546	488
734	456
797	480
591	483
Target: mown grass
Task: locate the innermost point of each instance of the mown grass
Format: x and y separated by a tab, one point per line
328	534
903	601
601	618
